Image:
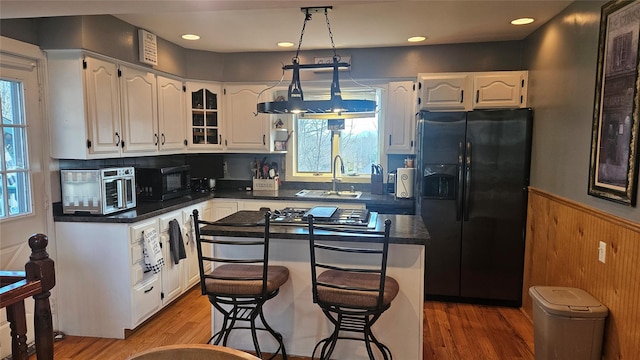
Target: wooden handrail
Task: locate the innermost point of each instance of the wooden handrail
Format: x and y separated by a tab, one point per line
37	280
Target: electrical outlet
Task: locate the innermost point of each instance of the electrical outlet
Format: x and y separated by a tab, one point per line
602	252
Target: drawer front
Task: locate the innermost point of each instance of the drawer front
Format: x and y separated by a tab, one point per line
136	253
146	299
139	272
139	228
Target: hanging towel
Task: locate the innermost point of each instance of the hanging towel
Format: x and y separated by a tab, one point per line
152	252
176	245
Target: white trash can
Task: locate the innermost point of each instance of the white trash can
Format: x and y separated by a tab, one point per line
568	323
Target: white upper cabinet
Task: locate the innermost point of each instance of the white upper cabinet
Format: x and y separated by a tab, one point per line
444	91
139	111
468	91
399	118
505	89
204	119
103	109
85	106
171	115
245	132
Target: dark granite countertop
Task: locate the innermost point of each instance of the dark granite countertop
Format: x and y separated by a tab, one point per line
142	211
146	210
405	229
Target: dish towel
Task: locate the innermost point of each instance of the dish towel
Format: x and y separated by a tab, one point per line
152	252
176	245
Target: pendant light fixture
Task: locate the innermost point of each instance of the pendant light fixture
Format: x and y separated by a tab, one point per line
295	103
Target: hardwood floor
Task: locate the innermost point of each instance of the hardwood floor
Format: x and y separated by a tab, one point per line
452	331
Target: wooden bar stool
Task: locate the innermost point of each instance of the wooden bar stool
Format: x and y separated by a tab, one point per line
238	286
350	285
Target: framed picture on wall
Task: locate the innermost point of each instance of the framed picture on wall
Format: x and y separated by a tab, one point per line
614	165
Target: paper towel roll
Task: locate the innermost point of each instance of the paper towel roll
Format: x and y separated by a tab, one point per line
404	182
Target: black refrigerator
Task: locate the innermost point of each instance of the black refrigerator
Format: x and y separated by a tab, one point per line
472	196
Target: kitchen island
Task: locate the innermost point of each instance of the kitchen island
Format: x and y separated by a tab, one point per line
300	321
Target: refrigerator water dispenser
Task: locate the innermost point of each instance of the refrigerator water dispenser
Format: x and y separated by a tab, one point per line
439	181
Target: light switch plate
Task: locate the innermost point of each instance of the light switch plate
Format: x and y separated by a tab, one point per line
602	252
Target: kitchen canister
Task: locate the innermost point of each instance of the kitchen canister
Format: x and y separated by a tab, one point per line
405	182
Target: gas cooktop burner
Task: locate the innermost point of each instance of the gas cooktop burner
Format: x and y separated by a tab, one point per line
326	215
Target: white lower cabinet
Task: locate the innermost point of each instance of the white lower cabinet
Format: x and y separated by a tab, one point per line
102	284
222	208
171	272
191	269
146	285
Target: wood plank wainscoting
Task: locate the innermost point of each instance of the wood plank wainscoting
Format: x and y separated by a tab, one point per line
562	250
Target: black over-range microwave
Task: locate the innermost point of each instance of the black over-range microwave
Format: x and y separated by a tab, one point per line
157	184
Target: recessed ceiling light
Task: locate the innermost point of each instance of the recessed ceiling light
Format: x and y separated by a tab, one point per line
522	21
416	39
285	44
190	37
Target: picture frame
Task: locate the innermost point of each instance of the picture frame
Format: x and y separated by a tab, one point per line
613	173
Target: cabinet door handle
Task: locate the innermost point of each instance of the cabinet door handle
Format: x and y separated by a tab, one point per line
390	140
477	96
461	96
220	140
163	139
264	139
149	289
118	141
156	137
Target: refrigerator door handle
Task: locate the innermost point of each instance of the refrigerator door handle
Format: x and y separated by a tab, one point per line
460	182
467	185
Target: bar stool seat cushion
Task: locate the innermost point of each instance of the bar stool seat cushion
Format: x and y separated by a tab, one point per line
276	277
351	298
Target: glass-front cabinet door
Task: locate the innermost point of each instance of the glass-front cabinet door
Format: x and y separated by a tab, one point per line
205	118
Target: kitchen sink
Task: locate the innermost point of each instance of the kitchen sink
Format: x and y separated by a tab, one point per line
329	194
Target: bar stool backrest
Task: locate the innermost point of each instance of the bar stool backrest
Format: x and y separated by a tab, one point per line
349	260
254	252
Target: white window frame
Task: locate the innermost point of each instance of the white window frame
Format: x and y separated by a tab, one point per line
25	168
15	58
291	170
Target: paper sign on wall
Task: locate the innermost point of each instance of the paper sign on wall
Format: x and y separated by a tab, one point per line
147	47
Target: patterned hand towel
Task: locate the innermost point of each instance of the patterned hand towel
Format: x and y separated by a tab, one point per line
152	252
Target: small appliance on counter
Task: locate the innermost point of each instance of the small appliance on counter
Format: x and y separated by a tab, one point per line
404	182
98	191
163	183
203	185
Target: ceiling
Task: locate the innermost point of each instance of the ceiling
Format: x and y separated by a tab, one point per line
247	26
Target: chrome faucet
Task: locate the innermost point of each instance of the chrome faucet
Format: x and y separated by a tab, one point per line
335	180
